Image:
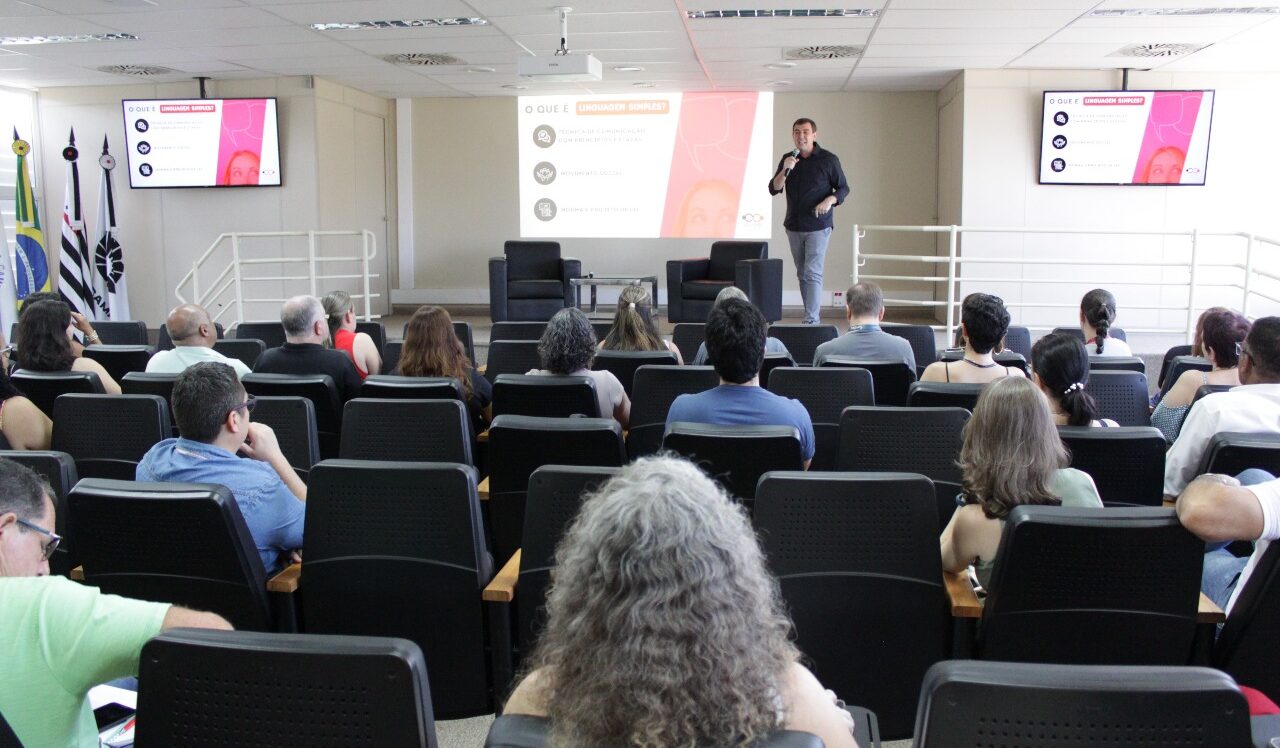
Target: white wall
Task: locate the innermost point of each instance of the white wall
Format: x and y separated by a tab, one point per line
164	231
466	196
1001	134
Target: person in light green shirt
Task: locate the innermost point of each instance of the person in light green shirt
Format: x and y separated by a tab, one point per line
1011	456
193	334
62	638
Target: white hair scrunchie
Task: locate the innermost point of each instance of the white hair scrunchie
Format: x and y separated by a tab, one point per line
631	305
1073	387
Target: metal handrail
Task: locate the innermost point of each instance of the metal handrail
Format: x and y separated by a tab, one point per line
232	276
953	259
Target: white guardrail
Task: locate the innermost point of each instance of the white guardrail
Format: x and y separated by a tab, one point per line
1244	282
225	289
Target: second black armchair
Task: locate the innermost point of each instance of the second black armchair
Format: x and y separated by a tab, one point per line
530	282
692	285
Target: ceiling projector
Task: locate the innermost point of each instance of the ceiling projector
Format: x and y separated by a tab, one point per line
568	68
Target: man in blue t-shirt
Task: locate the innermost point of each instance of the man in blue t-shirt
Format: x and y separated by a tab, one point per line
212	411
735	344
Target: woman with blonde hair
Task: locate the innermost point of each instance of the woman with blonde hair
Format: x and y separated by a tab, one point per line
664	628
341	316
431	349
1011	456
633	326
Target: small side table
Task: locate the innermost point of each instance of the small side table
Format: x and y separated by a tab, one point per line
594	281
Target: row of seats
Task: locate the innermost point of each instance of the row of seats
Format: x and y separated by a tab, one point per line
856	555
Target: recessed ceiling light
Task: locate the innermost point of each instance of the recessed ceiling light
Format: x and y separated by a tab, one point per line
643	84
423	58
514	86
1262	10
785	13
416	23
628	69
482	70
67	38
780	65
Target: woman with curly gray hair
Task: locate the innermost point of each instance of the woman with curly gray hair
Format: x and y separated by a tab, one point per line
664	628
567	347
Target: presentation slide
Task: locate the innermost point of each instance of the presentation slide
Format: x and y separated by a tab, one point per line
646	165
1125	137
202	143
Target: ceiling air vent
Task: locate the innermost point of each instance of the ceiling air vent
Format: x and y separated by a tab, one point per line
822	53
1157	50
423	58
138	71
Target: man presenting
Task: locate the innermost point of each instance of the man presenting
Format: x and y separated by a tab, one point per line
815	184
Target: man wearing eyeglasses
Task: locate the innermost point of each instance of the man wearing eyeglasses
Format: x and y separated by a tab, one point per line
62	638
213	415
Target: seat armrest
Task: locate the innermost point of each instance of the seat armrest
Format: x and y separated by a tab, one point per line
964	601
679	271
570	267
761	281
287	580
498	289
502	588
483	488
76	574
690	269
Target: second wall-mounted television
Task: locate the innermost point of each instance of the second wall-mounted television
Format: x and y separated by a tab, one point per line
1125	137
202	143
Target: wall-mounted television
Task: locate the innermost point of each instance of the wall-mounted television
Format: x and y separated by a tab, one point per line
1125	137
202	143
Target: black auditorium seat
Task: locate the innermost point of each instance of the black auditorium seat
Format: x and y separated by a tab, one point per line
1179	365
121	332
623	364
410	388
119	360
655	389
1246	646
43	387
293	419
548	396
688	337
270	332
511	357
507	330
923	340
1126	463
802	340
406	430
252	688
59	468
943	395
967	703
736	456
246	350
109	434
825	392
892	378
1121	396
1169	356
318	388
1117	363
1230	453
773	361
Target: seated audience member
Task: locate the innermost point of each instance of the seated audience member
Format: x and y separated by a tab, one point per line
1197	341
735	344
22	424
1097	315
864	308
83	326
45	331
193	334
432	349
983	322
1253	407
633	328
1011	456
1060	367
62	638
1218	509
303	353
771	345
212	411
1220	332
567	347
665	629
340	314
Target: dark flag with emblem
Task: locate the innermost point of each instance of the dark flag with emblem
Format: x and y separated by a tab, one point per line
75	272
108	259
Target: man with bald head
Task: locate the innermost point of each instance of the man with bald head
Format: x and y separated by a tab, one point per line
193	333
305	330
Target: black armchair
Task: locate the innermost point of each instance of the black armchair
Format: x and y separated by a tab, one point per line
530	282
692	285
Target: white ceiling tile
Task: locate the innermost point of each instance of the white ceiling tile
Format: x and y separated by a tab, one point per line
1078	6
620	39
371	10
496	8
765	38
234	37
183	20
979	19
460	47
908	51
46	25
76	7
941	63
586	23
15	8
734	25
961	36
436	32
1122	35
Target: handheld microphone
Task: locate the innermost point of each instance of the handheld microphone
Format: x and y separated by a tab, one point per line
794	154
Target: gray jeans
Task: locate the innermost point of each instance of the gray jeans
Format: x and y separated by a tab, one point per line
809	250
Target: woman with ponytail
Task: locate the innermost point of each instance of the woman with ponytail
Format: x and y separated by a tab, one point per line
633	326
1060	366
341	315
1097	315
